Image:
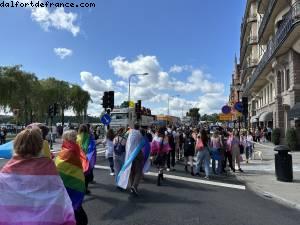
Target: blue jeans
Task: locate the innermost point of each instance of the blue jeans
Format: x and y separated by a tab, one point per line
203	156
213	164
249	152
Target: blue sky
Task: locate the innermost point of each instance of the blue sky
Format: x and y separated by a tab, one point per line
187	46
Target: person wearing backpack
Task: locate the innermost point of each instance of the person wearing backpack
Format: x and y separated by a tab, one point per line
119	150
171	155
189	152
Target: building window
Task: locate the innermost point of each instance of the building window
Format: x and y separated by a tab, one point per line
272	96
282	82
287	81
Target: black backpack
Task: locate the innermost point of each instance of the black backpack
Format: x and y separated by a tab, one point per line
119	149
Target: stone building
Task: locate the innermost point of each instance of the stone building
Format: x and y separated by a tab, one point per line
270	63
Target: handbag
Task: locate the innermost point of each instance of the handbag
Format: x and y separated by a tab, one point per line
119	149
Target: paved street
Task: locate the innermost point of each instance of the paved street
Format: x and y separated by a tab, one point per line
181	200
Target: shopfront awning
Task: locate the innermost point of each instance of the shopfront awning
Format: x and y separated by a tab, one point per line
295	112
266	116
254	119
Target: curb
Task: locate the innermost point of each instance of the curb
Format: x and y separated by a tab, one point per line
268	195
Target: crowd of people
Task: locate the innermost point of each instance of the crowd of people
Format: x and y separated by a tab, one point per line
59	183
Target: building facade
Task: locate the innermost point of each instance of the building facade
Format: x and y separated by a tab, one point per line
270	63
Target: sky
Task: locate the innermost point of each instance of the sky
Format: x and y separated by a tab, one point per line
186	46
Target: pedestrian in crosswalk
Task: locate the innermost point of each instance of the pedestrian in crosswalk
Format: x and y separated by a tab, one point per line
109	150
119	149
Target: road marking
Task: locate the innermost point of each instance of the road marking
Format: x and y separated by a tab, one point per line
193	180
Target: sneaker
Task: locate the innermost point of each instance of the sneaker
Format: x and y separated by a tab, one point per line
168	169
134	191
242	171
206	177
87	192
247	161
112	174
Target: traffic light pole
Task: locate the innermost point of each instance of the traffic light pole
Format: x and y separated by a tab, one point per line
51	133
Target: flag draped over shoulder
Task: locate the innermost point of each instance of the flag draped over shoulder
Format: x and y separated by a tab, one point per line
70	168
134	145
146	152
32	193
160	145
88	145
6	150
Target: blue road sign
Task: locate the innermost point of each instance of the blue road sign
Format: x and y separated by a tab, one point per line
239	106
105	119
226	109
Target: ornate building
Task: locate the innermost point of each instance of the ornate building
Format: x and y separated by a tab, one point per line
270	62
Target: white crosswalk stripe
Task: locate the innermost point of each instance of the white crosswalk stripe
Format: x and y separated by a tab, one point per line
192	180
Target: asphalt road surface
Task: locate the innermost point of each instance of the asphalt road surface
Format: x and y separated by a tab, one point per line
181	200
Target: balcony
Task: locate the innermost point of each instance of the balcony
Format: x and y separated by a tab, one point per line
251	40
251	63
266	17
291	19
250	19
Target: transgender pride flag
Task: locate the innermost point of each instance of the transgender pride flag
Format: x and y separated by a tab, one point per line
32	193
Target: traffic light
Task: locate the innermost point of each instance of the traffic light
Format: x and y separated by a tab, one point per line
51	110
105	100
111	99
138	109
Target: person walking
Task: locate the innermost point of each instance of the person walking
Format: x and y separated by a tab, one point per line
119	150
170	133
69	164
249	146
109	150
216	144
159	149
203	155
31	185
189	152
235	150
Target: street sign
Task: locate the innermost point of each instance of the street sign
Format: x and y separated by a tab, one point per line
225	117
226	109
105	119
239	106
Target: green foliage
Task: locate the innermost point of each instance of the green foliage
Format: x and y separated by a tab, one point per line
276	136
291	139
23	91
124	104
194	114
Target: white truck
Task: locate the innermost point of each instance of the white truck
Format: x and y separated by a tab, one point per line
123	117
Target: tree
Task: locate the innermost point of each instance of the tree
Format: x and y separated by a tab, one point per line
194	114
79	100
124	104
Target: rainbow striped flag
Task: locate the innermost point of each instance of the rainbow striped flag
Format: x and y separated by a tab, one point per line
70	168
32	193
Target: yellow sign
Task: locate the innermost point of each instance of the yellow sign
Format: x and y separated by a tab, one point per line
225	117
131	104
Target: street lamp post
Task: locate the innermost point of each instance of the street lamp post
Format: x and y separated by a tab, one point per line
129	79
173	96
238	96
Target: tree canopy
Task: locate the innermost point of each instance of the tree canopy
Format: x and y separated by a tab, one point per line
29	98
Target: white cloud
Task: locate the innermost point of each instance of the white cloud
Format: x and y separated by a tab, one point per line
155	89
95	83
179	69
63	52
58	19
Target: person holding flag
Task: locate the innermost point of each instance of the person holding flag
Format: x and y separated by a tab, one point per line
31	190
134	161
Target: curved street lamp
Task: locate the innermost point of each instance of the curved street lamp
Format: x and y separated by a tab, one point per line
129	79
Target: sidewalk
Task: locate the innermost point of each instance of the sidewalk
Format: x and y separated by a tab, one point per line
260	177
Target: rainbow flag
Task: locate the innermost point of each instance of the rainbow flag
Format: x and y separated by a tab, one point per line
32	193
70	169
